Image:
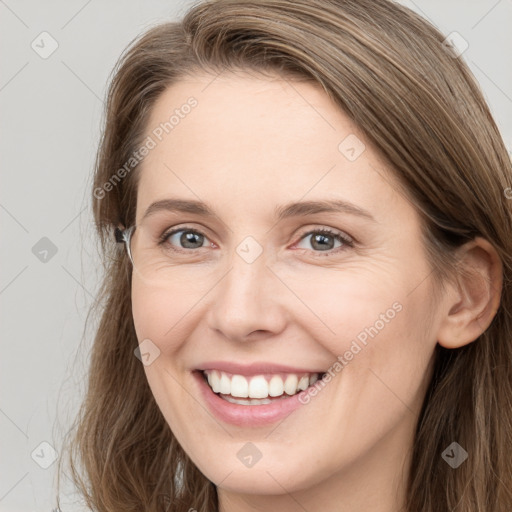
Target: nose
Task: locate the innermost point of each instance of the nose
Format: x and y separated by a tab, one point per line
247	303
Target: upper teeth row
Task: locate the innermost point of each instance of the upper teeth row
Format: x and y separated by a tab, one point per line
258	386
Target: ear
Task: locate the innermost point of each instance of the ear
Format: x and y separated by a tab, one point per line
472	302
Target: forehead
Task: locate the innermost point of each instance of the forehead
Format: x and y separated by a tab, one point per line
265	139
254	113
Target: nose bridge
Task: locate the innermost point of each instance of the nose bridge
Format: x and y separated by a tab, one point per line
246	299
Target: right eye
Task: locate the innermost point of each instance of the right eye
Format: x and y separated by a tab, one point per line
184	239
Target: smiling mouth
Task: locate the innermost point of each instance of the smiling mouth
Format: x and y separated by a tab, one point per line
258	389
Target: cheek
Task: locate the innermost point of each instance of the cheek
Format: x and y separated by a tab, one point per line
380	336
146	303
381	356
386	360
165	315
365	301
343	306
160	315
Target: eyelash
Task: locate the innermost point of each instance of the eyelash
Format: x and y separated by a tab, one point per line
345	240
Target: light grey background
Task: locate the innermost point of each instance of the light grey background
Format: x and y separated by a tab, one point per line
51	112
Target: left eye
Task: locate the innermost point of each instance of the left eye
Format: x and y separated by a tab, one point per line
324	240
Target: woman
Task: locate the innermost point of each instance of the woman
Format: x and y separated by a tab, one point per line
308	304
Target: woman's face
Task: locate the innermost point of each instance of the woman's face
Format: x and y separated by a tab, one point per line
264	302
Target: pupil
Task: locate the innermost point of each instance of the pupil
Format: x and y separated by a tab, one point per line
189	238
321	239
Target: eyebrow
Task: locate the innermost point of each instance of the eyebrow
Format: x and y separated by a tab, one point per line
281	212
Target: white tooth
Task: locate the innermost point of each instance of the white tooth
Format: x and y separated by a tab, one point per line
276	386
258	387
313	379
225	384
290	384
303	383
239	386
214	380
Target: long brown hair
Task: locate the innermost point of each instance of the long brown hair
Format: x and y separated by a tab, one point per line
419	105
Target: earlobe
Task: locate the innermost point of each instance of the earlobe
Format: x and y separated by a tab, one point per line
473	300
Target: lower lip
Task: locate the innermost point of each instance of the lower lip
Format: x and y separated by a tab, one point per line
246	415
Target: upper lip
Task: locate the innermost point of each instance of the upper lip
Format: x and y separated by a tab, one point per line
256	368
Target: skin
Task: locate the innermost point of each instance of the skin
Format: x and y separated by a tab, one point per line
253	143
